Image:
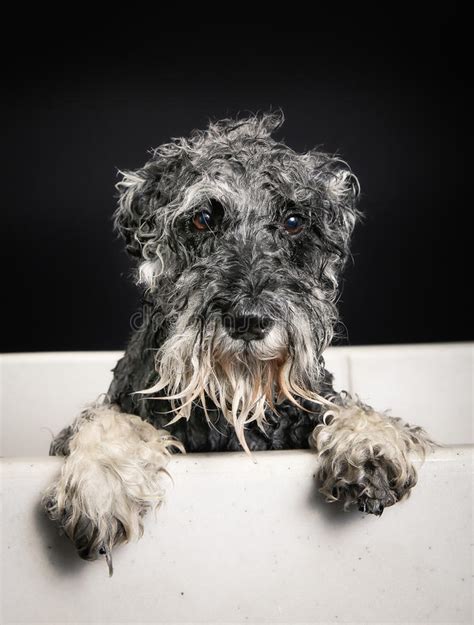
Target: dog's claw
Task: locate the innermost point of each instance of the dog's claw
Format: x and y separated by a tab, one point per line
371	506
108	559
107	552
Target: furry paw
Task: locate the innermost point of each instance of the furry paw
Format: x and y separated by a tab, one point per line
92	538
364	458
372	488
110	478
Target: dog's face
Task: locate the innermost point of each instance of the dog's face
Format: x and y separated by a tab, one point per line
240	241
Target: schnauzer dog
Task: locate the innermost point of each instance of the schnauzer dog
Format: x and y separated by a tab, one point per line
240	242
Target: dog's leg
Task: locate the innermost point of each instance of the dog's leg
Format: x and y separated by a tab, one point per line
364	456
110	478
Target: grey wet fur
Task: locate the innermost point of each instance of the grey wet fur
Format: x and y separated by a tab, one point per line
239	243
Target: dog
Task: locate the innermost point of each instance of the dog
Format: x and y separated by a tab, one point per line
239	245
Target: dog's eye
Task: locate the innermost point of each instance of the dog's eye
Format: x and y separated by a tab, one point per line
293	224
203	220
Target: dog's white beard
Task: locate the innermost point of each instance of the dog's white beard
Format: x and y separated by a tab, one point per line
241	379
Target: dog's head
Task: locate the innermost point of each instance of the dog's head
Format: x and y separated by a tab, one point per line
240	241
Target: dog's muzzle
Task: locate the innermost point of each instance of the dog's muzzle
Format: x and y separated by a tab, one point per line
247	326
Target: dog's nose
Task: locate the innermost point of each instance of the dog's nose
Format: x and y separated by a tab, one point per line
250	327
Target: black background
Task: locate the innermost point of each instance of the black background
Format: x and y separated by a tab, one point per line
390	99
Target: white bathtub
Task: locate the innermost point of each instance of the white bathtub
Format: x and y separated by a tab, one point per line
238	542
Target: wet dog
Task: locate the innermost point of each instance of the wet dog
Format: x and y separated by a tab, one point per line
239	244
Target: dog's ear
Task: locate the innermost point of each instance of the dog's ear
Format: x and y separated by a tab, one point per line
139	197
339	192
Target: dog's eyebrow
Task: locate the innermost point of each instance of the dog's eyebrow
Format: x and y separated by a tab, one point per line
285	205
202	192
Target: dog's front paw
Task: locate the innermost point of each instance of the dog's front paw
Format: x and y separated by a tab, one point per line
364	458
372	486
110	478
93	532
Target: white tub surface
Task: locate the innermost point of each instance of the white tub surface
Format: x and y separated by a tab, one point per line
244	542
